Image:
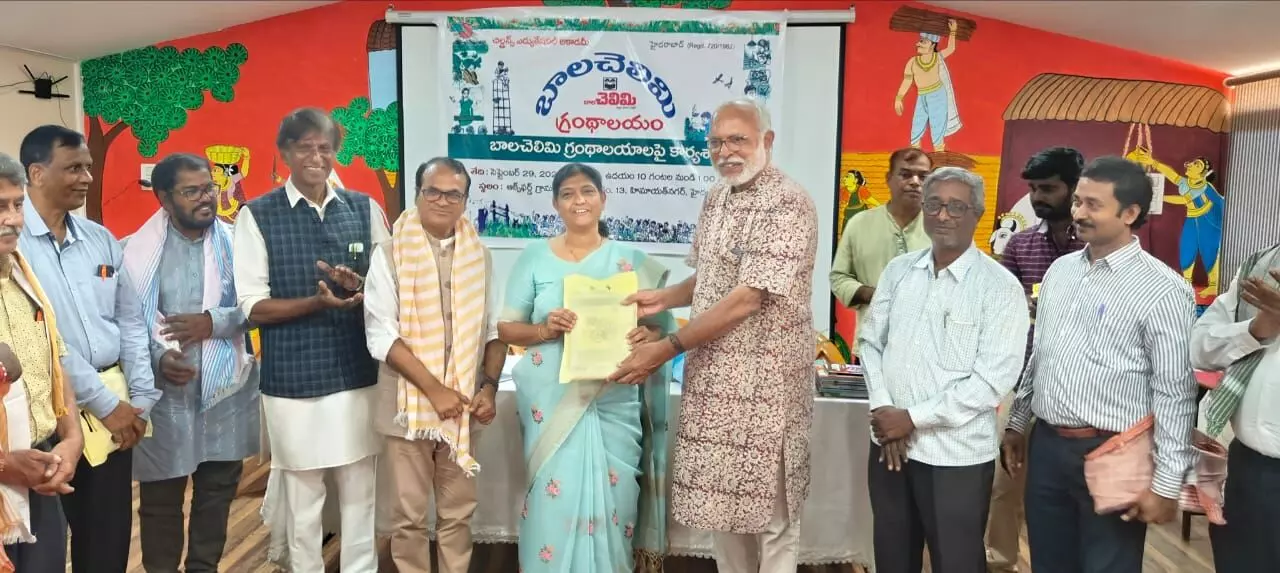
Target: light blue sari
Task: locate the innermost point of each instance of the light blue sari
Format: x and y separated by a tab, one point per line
595	451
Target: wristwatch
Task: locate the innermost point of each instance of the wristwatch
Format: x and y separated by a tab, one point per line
485	380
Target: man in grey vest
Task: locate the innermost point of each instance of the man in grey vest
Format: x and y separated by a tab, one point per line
301	252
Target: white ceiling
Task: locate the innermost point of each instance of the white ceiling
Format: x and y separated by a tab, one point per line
85	29
1232	37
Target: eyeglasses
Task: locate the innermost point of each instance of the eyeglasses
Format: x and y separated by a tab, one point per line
193	193
933	207
450	197
324	150
733	142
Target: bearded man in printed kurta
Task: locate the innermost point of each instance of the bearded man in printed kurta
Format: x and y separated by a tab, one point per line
742	453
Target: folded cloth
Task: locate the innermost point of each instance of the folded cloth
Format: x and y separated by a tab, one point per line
1119	471
1204	491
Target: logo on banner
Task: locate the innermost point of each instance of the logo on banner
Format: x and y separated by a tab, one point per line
609	63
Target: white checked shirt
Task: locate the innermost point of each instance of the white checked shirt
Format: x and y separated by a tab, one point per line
947	347
1111	347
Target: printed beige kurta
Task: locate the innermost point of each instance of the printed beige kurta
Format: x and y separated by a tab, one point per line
748	395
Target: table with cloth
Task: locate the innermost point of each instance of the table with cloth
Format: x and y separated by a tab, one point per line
835	523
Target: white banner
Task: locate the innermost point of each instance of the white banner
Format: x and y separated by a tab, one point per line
627	91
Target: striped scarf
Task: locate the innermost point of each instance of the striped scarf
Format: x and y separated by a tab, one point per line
13	525
1222	402
422	329
221	358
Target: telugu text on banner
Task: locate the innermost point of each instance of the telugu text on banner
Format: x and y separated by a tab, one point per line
627	91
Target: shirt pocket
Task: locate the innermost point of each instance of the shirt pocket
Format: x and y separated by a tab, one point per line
959	348
104	294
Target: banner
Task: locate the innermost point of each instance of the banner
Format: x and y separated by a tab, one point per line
627	91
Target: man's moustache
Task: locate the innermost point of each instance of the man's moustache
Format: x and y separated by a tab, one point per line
8	230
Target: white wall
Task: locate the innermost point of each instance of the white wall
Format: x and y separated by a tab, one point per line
20	113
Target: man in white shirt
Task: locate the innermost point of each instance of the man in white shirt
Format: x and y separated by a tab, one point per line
942	344
1238	334
300	254
428	319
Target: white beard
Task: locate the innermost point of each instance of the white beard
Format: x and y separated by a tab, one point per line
750	168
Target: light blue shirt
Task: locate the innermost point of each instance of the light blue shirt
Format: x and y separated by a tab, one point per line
100	319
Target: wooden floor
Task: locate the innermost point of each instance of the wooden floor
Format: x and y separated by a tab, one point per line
247	544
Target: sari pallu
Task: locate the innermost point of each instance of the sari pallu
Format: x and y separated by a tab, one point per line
579	451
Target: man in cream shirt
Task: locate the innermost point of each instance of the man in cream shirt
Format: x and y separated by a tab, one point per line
300	255
1238	334
874	237
439	342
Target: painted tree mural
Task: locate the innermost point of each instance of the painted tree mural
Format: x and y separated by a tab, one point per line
149	91
374	136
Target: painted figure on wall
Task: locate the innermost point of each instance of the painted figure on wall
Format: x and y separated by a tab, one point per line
230	168
855	197
1202	230
935	108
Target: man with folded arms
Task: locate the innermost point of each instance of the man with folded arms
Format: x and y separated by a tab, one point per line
207	421
42	439
1238	334
427	317
1110	349
80	266
942	344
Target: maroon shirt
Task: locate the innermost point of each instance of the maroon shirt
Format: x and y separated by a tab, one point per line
1028	255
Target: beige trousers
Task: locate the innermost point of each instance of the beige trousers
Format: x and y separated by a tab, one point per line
775	550
1006	516
418	470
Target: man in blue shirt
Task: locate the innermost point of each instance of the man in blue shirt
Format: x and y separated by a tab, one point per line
78	262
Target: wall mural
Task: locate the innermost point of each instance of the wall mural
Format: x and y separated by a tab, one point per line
974	93
1157	124
149	92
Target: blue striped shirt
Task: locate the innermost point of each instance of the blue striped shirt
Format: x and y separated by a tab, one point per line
1111	347
99	317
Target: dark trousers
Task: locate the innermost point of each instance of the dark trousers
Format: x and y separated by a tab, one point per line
1250	541
49	553
161	520
944	507
100	514
1064	533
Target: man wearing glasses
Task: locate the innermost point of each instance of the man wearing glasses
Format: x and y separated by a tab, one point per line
941	346
301	255
874	237
206	422
429	319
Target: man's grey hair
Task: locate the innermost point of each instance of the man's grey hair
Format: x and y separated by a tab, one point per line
12	171
977	196
750	105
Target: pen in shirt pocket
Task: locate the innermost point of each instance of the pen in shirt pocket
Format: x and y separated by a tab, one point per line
1102	309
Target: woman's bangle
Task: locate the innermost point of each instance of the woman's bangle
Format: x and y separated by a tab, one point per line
542	337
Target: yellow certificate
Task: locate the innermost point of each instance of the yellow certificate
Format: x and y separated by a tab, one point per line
598	342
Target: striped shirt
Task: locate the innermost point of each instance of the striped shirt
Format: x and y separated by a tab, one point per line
1112	347
954	340
1029	254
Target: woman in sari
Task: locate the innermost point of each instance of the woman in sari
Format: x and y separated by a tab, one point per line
595	451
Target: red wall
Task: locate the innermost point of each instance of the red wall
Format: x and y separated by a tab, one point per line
317	57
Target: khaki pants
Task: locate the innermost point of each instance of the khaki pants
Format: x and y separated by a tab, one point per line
418	470
1004	523
776	549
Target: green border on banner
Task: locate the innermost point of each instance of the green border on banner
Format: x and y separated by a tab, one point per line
458	24
579	149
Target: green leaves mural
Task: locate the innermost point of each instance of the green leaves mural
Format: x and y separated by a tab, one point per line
149	91
374	136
